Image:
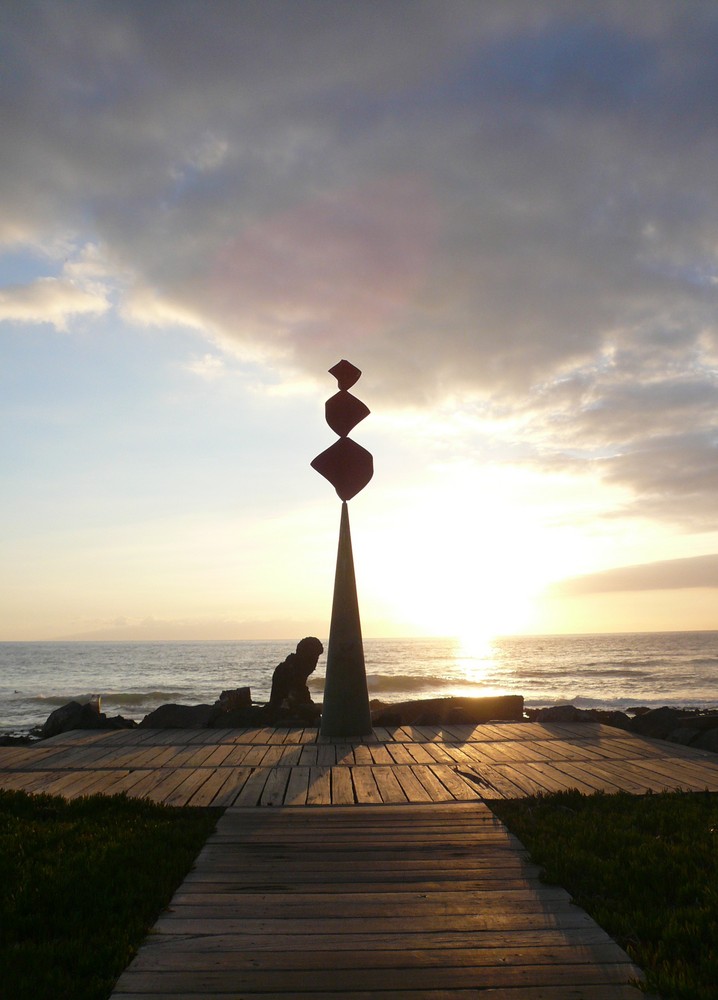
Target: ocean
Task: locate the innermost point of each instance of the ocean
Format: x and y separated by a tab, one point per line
590	671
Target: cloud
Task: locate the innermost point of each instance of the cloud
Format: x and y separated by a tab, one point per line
182	629
51	300
515	205
208	367
671	574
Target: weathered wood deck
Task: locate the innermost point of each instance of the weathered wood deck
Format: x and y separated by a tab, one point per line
419	764
412	902
407	887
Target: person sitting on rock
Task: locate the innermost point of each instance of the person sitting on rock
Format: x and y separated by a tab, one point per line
290	694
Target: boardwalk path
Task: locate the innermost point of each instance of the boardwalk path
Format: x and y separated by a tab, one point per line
417	902
272	767
407	887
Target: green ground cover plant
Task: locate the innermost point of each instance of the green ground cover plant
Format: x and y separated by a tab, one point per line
644	867
82	883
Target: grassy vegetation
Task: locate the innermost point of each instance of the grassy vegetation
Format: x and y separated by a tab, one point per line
645	868
82	882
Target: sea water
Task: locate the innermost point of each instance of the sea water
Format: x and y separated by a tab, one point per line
590	671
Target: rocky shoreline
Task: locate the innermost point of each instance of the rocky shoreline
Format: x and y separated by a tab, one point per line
693	727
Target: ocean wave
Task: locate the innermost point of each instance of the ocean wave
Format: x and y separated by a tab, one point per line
115	697
414	682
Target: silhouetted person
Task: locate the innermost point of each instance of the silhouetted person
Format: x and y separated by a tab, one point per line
290	694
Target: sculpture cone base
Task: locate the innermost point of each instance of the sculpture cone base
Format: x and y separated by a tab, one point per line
346	698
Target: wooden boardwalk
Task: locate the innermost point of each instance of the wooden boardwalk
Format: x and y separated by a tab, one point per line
413	902
292	767
407	887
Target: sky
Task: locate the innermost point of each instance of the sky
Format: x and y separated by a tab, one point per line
504	213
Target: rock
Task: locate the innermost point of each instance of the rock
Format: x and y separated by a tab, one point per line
117	722
707	740
619	720
448	711
560	713
685	735
74	715
180	717
658	723
68	717
569	713
239	718
701	721
236	698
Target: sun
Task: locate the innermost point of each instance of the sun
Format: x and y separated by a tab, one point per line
470	558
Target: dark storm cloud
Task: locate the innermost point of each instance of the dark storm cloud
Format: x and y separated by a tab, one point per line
515	203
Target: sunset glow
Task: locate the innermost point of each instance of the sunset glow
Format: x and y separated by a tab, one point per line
506	215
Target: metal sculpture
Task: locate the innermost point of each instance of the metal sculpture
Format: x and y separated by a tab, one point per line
348	467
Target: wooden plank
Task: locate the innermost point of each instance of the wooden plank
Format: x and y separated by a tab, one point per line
602	778
342	788
297	787
183	792
237	755
406	977
434	787
326	755
274	787
160	790
503	784
252	788
160	959
457	786
400	754
664	774
547	771
389	788
228	792
365	785
429	734
362	754
380	754
438	752
345	754
414	790
319	792
218	755
86	783
309	755
254	756
395	941
553	992
207	792
419	753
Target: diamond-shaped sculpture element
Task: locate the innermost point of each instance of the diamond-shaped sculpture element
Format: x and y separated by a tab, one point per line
344	411
345	373
347	466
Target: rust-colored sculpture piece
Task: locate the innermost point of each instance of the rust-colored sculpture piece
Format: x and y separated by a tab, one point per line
348	467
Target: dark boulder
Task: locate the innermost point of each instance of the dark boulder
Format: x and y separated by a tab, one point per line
569	713
180	717
658	723
239	718
560	713
619	720
75	715
448	711
707	740
16	741
233	699
685	735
